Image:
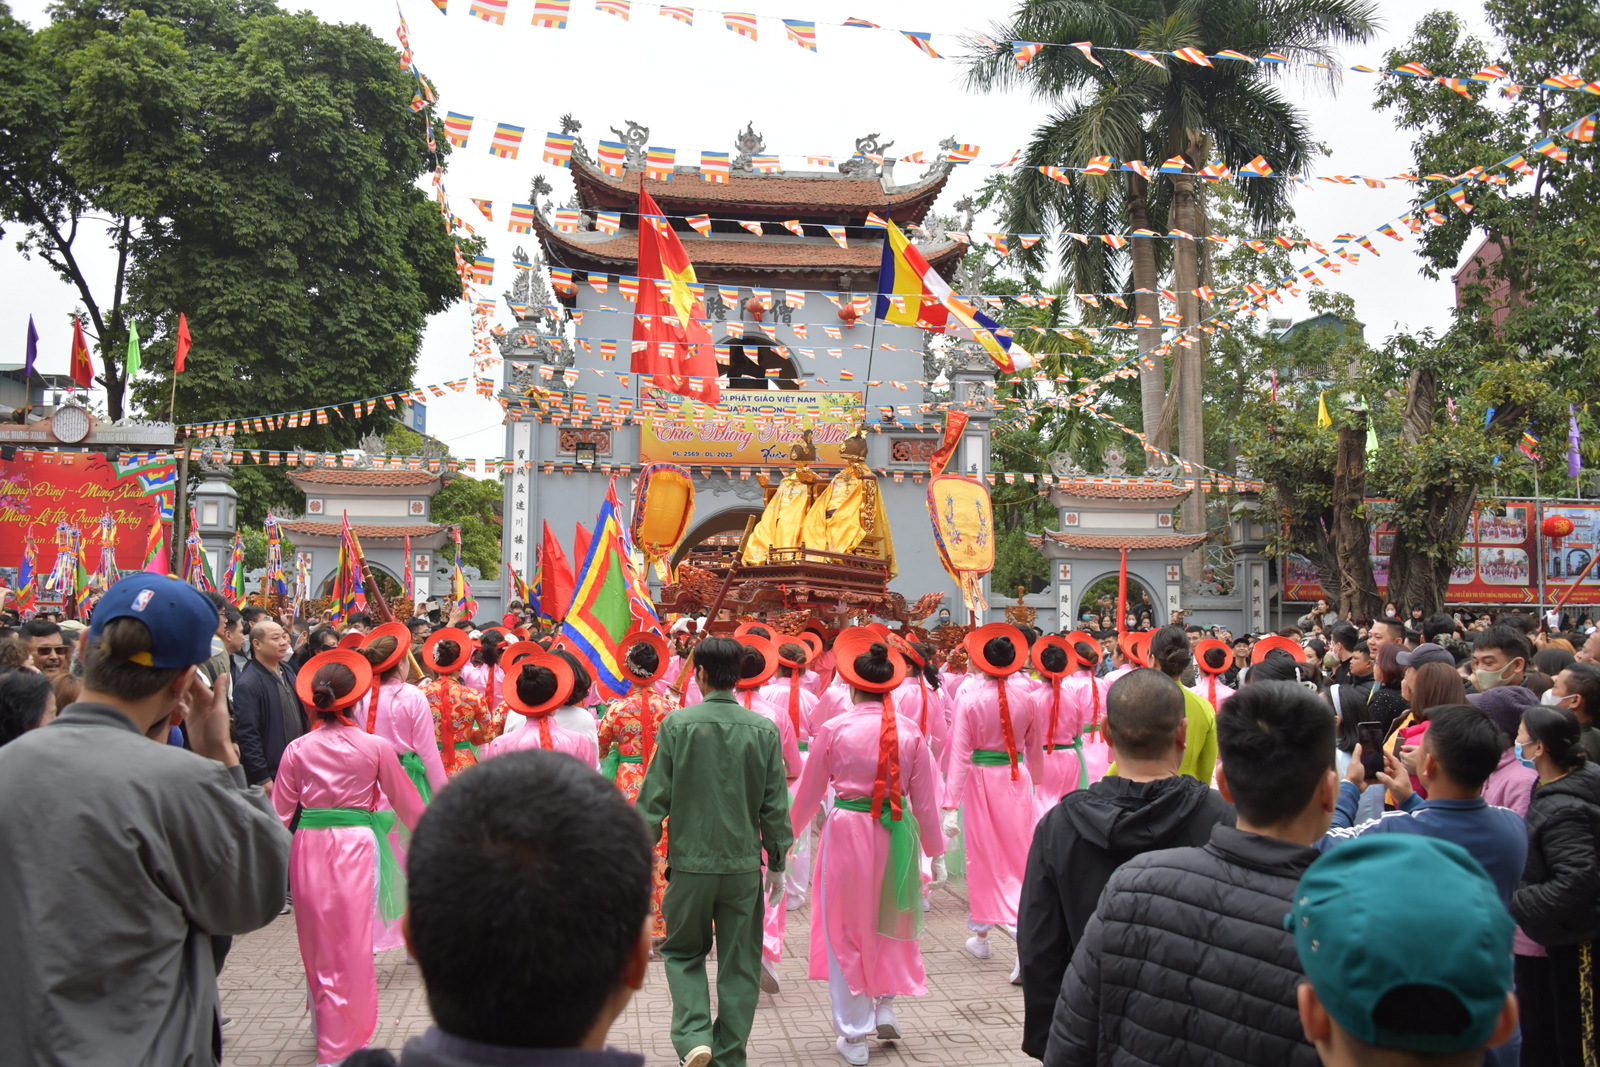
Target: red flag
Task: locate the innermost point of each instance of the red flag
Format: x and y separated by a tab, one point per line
669	312
82	370
555	579
581	543
1122	594
183	342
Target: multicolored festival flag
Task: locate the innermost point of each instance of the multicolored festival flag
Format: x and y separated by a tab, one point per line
107	572
277	581
460	588
607	605
407	577
233	574
349	593
457	128
507	138
27	577
196	567
155	550
551	14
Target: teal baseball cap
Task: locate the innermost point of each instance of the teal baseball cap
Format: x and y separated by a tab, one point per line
1406	942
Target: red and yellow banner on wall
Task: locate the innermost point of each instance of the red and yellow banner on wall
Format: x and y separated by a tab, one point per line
753	428
41	490
1498	559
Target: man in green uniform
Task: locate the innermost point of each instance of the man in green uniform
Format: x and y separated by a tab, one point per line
718	773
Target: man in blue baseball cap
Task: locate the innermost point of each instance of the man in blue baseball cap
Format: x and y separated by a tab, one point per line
120	858
1371	995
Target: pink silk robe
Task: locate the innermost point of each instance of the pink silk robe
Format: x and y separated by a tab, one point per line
580	747
1090	694
924	706
854	848
998	818
405	721
1202	689
1060	774
333	873
776	693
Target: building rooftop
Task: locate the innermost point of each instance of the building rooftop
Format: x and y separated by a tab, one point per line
376	533
341	476
1115	541
828	196
1123	489
816	261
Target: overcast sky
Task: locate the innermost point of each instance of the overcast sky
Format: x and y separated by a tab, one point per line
695	87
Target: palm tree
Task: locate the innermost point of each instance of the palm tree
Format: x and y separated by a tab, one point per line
1125	107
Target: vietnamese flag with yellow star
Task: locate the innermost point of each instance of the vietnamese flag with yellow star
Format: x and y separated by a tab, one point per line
678	353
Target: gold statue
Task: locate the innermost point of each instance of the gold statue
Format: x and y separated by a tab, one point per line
848	516
786	507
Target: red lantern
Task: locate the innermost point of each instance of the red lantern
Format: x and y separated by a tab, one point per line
1556	527
848	314
754	309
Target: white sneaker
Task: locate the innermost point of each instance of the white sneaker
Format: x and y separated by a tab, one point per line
1016	972
854	1052
769	977
699	1056
888	1025
979	947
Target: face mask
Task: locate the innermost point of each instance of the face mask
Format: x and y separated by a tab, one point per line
1525	762
1549	699
1486	680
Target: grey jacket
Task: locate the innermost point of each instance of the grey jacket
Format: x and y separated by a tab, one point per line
119	857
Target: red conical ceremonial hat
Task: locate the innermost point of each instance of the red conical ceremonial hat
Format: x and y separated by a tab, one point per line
345	657
563	673
1210	643
768	653
857	641
1053	641
975	640
352	639
449	633
402	643
1281	644
1077	637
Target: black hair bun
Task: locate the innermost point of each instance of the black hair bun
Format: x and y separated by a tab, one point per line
878	653
323	696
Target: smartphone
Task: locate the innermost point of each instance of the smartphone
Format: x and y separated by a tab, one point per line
1370	736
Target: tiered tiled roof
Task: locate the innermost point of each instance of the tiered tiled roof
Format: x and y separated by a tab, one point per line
341	476
1143	489
377	533
1131	542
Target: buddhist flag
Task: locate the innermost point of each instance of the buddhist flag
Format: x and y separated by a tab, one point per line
552	587
507	139
82	370
671	309
457	128
740	22
802	33
923	41
906	274
551	14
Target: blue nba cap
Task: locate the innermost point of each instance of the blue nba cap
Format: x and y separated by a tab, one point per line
1446	994
181	619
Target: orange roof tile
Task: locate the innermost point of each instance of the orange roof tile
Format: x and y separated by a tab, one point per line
1123	490
340	476
379	533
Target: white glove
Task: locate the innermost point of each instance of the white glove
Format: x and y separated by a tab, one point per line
775	887
941	874
951	823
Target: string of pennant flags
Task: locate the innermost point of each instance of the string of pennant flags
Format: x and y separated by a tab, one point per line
1581	131
555	14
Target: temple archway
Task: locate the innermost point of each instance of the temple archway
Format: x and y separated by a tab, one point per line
1140	598
750	359
388	584
715	539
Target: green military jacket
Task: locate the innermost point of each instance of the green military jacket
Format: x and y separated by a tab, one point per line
718	773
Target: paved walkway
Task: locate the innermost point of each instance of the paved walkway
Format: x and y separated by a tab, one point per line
971	1016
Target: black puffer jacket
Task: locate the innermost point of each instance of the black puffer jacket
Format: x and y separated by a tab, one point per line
1077	846
1186	961
1558	902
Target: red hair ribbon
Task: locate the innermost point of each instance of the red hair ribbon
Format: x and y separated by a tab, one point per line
794	701
887	784
372	708
1211	681
923	689
1055	711
1006	728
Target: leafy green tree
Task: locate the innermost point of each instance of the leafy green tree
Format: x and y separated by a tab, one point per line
260	170
473	504
1119	105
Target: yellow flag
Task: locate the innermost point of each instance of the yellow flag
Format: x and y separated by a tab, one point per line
1322	411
